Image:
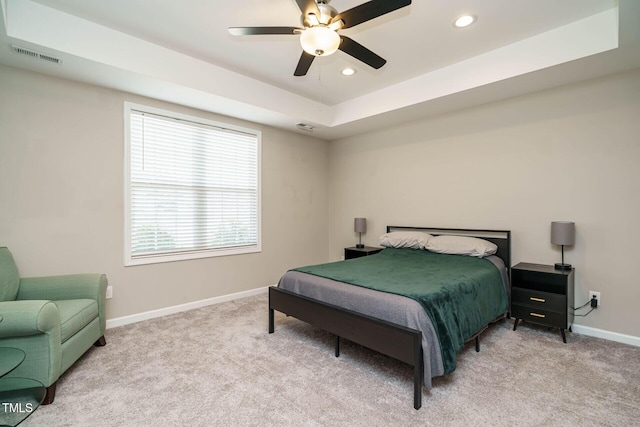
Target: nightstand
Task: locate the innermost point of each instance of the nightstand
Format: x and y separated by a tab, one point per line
543	295
354	252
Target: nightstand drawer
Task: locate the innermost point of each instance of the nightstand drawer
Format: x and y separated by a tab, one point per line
543	317
539	300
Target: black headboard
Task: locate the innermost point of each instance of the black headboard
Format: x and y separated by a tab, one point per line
502	238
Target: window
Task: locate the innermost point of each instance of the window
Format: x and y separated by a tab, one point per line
192	187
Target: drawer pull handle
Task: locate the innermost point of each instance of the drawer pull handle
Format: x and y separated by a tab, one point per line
537	299
537	315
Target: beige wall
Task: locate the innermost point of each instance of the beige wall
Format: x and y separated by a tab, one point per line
565	154
61	197
571	153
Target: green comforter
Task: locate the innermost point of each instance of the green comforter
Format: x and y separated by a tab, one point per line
460	294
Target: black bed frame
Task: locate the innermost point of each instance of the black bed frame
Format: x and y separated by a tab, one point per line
397	341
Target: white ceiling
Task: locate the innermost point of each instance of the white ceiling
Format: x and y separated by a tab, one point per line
182	52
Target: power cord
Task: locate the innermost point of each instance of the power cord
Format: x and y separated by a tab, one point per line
582	306
584	315
594	304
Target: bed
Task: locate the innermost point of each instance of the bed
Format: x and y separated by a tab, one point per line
344	300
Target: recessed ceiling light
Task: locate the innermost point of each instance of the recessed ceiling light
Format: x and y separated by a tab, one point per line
348	72
464	21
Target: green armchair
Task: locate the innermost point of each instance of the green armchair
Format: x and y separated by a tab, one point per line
54	320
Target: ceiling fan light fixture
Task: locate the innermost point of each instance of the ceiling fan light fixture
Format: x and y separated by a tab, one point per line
319	41
321	23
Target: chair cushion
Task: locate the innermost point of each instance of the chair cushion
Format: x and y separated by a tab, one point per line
75	314
9	276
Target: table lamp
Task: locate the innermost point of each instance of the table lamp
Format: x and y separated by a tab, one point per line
563	233
360	226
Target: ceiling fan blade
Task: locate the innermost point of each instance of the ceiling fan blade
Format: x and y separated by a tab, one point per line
252	31
361	53
368	11
308	6
303	64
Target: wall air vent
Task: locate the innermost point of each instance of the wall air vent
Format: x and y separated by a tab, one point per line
35	55
305	127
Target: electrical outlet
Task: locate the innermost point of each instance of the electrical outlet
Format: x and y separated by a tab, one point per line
109	292
597	295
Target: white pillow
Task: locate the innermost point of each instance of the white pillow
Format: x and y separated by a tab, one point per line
461	245
405	239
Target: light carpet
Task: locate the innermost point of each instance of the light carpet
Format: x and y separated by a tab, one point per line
218	366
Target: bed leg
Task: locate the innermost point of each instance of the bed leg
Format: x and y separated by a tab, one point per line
337	346
478	344
418	374
417	388
271	321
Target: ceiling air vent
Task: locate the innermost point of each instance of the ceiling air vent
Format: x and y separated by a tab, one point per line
36	55
304	127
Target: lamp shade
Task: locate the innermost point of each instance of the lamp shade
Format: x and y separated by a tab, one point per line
563	233
319	40
360	225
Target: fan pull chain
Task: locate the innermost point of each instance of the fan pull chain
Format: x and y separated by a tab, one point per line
320	84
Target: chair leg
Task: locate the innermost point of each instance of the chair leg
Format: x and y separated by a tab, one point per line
50	394
101	342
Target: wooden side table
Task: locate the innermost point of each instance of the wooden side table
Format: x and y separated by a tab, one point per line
543	295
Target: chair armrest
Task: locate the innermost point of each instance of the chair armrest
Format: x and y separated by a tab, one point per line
73	286
23	318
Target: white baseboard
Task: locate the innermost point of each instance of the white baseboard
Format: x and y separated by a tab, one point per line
607	335
134	318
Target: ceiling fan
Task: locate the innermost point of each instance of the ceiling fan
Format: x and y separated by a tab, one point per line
321	22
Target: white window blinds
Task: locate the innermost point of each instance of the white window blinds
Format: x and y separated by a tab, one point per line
193	189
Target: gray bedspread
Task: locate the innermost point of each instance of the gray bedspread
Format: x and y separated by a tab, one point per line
385	306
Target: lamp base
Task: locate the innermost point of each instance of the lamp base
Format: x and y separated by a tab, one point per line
359	246
563	267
